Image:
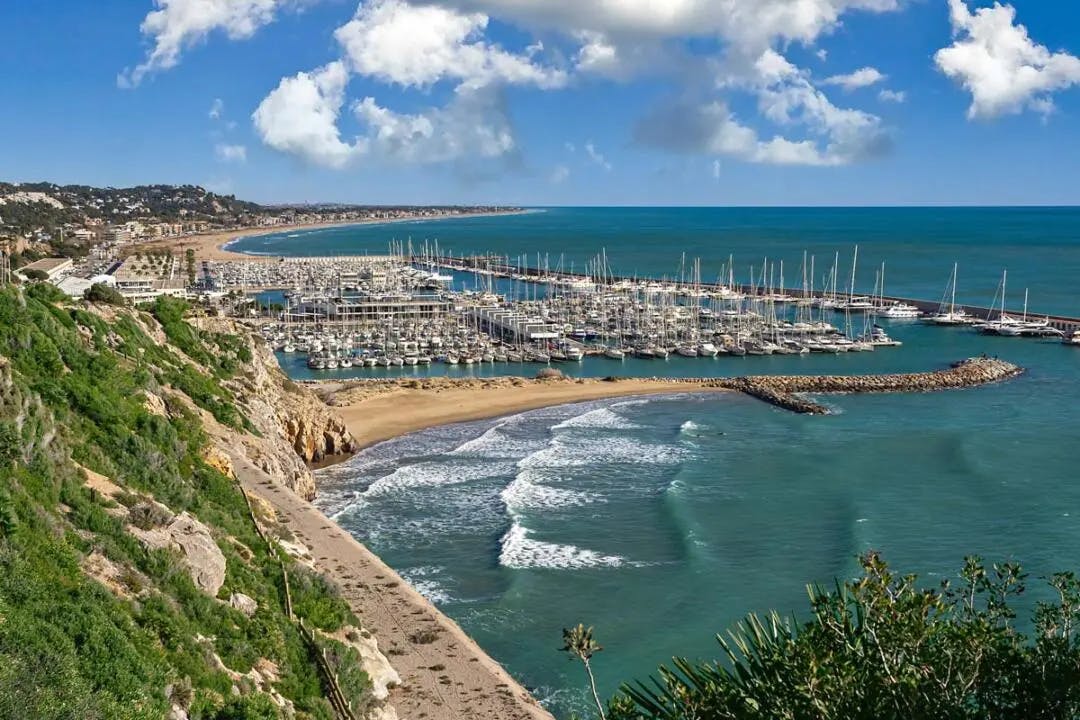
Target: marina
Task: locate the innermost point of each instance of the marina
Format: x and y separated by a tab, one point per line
407	309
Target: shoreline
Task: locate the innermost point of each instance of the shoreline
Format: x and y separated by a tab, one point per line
405	410
214	246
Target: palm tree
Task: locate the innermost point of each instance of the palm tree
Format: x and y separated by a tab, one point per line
578	642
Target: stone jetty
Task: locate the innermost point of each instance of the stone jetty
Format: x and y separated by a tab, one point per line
786	391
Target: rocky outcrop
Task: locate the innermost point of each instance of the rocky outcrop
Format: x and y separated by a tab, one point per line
244	604
294	426
190	538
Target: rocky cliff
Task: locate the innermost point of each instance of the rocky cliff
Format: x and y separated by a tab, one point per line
294	427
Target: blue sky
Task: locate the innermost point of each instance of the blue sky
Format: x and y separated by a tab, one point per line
697	102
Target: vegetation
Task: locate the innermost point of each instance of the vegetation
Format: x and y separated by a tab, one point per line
883	647
102	293
579	642
132	642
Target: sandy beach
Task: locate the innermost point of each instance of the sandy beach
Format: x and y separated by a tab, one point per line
377	412
211	246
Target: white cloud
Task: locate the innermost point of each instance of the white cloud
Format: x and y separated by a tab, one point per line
559	174
716	169
864	77
472	125
893	96
419	45
596	156
416	44
786	97
176	25
217	108
230	153
748	23
995	60
300	117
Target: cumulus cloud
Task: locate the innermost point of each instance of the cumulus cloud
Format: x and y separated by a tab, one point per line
786	97
176	25
861	78
419	45
752	23
1003	68
472	125
416	45
230	153
217	108
300	117
893	96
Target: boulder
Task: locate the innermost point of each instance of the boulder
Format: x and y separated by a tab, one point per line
186	535
243	603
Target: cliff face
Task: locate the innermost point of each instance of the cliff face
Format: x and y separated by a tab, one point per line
294	427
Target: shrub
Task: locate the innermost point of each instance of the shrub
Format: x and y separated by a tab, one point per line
882	647
102	293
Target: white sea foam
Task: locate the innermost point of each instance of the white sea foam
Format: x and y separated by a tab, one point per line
519	551
569	453
495	443
526	491
689	426
425	581
430	474
603	418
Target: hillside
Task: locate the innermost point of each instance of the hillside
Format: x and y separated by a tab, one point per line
136	578
28	207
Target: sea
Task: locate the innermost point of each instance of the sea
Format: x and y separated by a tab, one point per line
662	521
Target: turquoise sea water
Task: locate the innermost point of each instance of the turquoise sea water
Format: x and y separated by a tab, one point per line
664	520
1040	247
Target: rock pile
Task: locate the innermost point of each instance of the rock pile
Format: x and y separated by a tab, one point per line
783	390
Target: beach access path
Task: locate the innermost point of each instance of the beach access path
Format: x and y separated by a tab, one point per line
445	674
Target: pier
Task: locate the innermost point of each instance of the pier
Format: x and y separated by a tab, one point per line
499	267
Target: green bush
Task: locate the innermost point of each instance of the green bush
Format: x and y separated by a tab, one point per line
102	293
883	647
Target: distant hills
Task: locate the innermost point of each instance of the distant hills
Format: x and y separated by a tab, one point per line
41	218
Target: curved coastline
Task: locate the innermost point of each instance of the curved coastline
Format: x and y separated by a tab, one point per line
446	674
218	246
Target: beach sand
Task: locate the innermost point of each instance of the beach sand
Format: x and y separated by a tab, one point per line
445	674
210	246
375	412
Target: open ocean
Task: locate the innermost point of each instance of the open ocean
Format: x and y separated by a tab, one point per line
663	521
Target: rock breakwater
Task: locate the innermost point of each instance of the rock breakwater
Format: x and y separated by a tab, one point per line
786	391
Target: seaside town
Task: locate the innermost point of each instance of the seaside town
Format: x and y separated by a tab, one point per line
419	306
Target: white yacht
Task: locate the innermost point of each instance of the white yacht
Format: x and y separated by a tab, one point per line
900	311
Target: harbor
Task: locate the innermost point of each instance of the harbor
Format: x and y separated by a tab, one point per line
406	309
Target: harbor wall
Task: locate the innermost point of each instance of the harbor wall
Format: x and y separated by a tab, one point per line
1061	322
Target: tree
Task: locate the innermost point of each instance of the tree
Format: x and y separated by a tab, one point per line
880	646
102	293
189	259
35	274
578	642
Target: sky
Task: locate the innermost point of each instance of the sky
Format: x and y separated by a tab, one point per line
550	102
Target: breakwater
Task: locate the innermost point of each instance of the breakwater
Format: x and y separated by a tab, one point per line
788	391
497	395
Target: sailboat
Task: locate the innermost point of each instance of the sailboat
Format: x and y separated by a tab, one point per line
948	313
1004	325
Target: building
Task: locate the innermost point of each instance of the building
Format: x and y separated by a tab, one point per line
76	287
118	235
368	308
52	267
